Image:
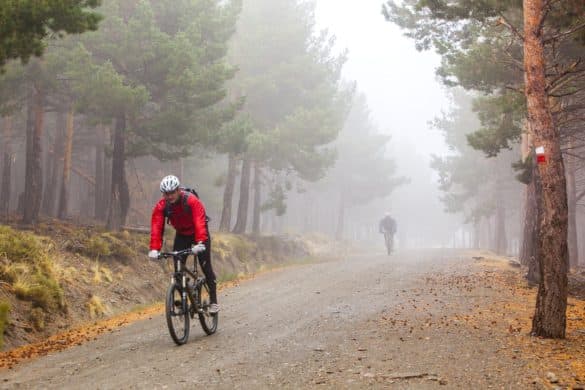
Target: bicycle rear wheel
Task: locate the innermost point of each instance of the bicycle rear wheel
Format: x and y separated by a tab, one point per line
208	321
177	313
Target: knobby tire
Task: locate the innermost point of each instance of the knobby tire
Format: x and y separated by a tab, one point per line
208	321
177	314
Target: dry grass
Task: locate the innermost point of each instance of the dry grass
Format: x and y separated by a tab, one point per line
96	307
4	311
37	318
101	274
26	265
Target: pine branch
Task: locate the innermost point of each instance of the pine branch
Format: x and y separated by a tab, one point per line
570	73
566	33
504	21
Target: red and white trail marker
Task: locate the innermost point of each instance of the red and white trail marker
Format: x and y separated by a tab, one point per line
540	155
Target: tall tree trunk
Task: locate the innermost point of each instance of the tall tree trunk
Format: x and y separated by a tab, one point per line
572	213
228	193
488	233
531	224
529	251
6	168
501	241
51	194
257	198
119	198
550	316
33	189
107	189
476	232
66	178
242	219
100	182
340	218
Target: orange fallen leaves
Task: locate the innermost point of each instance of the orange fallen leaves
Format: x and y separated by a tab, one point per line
565	357
87	332
73	337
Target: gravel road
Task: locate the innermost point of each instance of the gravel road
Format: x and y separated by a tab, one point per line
303	326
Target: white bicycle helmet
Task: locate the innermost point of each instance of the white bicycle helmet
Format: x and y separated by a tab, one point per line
169	183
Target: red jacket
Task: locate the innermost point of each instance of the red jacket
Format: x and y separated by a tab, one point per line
184	222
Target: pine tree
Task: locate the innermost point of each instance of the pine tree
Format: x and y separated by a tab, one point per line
25	24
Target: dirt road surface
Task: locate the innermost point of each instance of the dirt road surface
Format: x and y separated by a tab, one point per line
359	321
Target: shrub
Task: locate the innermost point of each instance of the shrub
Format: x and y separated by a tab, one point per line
19	246
43	291
96	307
121	250
99	272
4	311
9	272
37	318
227	245
97	247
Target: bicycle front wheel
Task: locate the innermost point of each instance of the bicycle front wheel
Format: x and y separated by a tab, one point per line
208	321
177	312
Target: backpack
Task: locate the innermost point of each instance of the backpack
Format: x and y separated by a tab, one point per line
186	208
389	225
393	226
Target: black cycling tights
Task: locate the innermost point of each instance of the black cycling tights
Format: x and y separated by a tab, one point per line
184	242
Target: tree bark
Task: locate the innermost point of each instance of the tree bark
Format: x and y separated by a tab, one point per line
66	178
257	199
33	189
119	197
99	206
500	233
530	226
551	302
242	219
53	184
228	194
6	168
531	236
572	213
107	188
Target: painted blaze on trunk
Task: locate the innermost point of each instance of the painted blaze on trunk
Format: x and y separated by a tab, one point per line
551	302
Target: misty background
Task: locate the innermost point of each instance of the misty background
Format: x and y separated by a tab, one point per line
307	117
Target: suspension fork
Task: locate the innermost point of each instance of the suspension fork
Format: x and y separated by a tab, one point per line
180	278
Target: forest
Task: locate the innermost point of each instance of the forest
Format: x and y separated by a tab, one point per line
245	100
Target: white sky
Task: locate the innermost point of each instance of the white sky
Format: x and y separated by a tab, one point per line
400	84
403	95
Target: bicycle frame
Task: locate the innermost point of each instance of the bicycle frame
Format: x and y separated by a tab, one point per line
182	273
185	298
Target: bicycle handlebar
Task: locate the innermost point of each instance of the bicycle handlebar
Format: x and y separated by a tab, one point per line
164	255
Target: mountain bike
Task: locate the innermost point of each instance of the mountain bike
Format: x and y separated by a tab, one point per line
187	295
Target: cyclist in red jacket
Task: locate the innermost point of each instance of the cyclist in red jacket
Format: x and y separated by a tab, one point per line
186	213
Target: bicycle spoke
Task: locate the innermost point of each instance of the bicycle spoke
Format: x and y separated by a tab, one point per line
177	315
208	321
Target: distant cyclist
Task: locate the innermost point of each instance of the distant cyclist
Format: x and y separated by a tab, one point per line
388	228
186	213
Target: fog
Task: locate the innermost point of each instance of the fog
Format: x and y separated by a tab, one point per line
288	120
404	96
